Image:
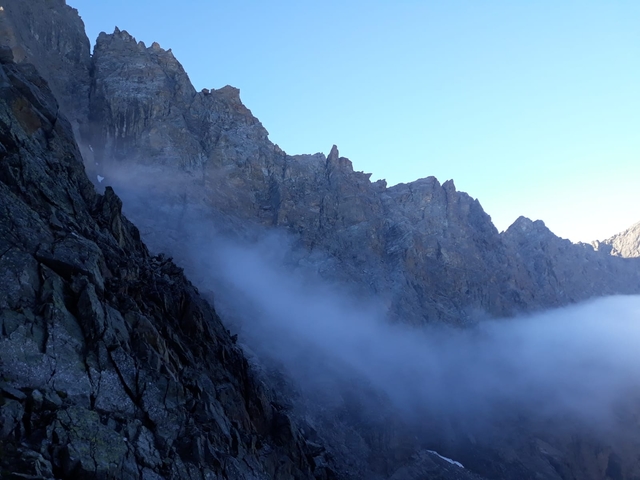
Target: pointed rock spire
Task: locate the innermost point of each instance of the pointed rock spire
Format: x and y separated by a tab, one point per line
333	155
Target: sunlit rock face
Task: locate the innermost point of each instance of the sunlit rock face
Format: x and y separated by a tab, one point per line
429	252
563	272
625	244
141	108
147	113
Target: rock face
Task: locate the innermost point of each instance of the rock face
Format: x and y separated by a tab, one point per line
562	272
146	116
111	364
625	244
429	251
51	35
432	252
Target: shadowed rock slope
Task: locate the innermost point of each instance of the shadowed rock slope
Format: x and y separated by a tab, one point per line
50	35
111	365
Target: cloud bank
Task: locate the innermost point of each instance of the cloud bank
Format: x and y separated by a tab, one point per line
576	364
579	362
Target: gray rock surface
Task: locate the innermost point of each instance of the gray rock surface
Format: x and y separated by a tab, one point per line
624	244
430	252
562	272
147	117
51	35
111	364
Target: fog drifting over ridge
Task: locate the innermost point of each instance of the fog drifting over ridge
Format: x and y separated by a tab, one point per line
577	363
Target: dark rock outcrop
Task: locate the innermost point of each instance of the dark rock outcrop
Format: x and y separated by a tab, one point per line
111	364
51	36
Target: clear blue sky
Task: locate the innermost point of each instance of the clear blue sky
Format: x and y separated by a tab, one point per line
533	107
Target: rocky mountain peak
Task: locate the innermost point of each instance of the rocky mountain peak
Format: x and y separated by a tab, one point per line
122	39
526	226
111	363
143	110
624	244
528	235
334	160
333	154
145	363
155	115
151	86
449	186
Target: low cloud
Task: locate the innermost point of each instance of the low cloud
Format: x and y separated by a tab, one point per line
577	364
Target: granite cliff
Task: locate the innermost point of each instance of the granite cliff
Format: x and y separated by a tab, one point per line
429	250
624	244
106	345
51	36
111	364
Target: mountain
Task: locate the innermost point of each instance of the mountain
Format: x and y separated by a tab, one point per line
430	251
625	244
51	36
114	366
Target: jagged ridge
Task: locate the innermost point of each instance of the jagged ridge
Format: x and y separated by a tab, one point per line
430	250
111	364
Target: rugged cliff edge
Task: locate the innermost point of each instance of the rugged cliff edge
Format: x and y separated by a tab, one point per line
111	365
430	251
624	244
51	36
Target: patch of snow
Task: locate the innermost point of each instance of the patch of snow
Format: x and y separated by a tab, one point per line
452	462
100	178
